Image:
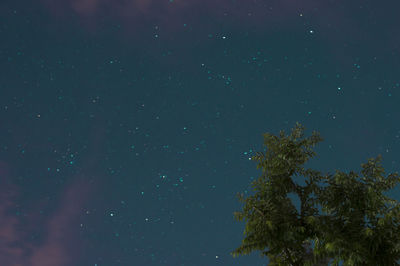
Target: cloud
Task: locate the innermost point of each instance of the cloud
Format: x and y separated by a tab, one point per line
331	21
171	11
133	17
59	231
11	252
61	228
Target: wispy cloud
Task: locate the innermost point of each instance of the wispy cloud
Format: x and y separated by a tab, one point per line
59	232
62	229
171	11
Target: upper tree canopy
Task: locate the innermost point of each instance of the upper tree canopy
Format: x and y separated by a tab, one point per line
355	224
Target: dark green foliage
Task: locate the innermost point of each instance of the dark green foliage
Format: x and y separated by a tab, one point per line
358	225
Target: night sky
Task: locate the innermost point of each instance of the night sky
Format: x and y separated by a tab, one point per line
126	127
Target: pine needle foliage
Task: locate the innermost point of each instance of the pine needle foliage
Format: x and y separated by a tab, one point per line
343	217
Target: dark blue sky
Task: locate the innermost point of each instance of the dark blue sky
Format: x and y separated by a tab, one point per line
126	128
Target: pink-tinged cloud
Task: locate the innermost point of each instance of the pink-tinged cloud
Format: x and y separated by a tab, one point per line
60	230
10	250
60	227
335	22
85	6
328	20
171	13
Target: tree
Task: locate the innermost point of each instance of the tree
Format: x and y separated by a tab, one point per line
342	217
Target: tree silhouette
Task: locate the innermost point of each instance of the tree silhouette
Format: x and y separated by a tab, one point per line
342	217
